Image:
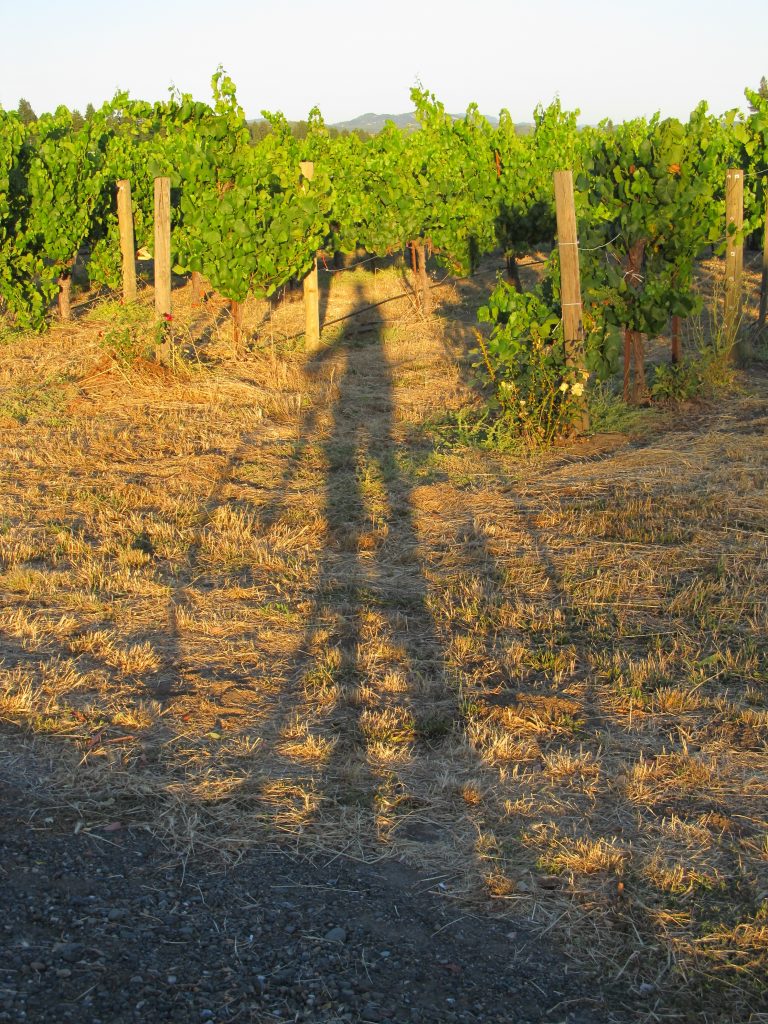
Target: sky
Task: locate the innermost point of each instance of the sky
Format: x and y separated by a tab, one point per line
608	59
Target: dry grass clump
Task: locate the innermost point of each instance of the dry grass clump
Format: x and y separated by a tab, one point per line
253	599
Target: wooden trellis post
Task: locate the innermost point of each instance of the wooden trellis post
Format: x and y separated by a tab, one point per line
734	254
127	243
570	281
163	263
311	286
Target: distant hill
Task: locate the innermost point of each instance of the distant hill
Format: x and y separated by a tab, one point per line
373	123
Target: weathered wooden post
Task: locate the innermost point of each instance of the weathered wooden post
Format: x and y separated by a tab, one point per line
311	286
163	264
127	243
570	282
734	256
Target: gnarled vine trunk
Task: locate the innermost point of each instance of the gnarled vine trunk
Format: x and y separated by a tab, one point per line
420	278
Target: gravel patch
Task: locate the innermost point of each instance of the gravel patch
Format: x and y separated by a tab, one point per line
109	928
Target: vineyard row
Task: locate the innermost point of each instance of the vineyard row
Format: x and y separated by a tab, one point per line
650	196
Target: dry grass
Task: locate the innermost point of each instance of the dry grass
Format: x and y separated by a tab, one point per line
254	599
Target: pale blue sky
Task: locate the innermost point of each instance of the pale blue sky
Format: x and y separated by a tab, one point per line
610	59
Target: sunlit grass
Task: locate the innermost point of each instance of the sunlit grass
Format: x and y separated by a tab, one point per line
267	604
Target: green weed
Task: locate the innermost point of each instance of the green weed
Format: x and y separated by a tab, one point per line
41	402
609	413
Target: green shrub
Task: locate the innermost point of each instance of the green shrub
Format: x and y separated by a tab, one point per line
524	363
